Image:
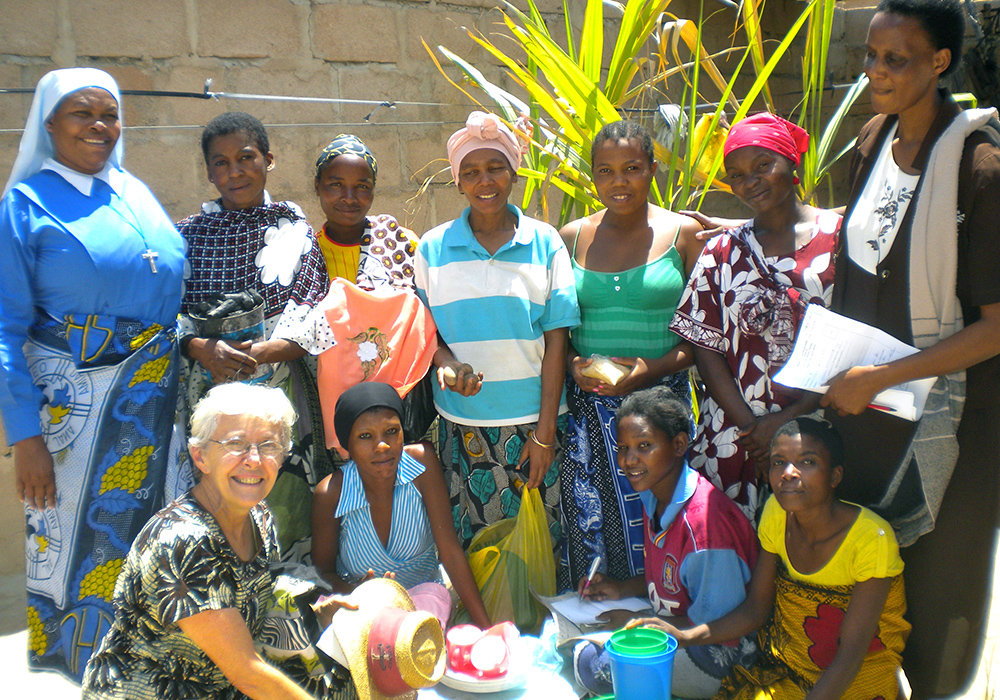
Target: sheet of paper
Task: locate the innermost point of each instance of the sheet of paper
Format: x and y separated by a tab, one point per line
828	343
586	612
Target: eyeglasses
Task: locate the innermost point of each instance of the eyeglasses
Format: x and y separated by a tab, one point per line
238	447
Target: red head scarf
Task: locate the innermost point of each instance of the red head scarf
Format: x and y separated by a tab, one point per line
771	132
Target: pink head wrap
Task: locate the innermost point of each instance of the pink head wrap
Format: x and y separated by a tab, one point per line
771	132
483	130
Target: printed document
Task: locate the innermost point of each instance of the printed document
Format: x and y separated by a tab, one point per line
828	343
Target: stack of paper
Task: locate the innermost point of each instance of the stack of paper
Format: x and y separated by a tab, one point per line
827	344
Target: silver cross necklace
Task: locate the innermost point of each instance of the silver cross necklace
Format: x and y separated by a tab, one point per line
149	254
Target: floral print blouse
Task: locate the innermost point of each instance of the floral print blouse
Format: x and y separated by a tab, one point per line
748	307
180	565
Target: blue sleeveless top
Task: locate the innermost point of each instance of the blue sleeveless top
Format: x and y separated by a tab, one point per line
411	553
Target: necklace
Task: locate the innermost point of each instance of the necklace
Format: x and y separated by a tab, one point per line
148	254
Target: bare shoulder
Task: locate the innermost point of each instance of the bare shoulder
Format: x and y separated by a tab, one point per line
327	491
670	223
569	232
424	453
683	231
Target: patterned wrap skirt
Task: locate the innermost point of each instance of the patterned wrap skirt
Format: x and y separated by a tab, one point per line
110	388
802	638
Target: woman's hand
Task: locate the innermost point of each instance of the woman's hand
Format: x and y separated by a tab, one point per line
225	362
459	377
657	623
575	367
711	226
539	459
371	574
278	350
326	606
601	588
34	473
756	437
639	377
224	637
852	391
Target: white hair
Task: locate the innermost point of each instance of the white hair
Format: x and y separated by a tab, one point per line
237	399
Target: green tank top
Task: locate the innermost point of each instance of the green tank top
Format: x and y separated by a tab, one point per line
628	313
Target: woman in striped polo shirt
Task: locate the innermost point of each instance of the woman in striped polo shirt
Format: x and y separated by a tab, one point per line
500	288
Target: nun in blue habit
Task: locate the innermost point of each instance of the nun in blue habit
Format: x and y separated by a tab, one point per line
91	269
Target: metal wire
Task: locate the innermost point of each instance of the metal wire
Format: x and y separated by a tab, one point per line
328	125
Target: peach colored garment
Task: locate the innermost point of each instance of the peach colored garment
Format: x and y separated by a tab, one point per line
386	335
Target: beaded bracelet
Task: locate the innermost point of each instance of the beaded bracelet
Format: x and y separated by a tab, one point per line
531	434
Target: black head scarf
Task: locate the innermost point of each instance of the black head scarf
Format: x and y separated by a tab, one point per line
358	399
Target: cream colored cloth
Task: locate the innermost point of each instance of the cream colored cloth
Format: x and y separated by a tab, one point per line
934	308
936	314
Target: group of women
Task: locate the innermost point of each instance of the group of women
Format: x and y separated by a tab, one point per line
515	321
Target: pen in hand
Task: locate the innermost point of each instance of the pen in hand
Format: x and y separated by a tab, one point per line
590	576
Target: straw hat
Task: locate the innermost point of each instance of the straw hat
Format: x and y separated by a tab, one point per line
390	648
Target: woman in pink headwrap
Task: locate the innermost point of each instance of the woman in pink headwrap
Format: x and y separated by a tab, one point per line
500	288
744	302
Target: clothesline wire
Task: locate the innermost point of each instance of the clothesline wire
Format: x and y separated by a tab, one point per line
378	104
327	125
209	95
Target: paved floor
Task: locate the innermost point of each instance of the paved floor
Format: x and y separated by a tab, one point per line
19	683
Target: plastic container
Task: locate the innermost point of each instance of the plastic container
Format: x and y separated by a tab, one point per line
641	676
640	641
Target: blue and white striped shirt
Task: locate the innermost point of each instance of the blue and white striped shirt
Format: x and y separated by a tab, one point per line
493	311
411	553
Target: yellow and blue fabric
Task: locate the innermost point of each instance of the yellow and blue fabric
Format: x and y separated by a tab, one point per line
410	554
347	144
88	360
69	245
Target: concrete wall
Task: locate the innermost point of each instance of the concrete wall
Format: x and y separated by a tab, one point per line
346	49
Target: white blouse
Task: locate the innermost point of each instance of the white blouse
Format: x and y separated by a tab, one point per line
874	221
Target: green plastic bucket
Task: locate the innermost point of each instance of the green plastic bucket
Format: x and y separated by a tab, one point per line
640	641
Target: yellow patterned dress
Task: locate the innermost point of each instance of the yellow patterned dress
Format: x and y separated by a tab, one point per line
801	638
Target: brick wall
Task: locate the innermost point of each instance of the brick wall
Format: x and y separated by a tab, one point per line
353	49
340	49
348	49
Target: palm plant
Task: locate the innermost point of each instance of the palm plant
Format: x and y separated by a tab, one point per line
570	97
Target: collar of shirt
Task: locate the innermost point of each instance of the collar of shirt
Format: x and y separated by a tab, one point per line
461	236
84	182
685	488
214	207
352	490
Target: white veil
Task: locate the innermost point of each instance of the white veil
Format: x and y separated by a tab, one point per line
36	143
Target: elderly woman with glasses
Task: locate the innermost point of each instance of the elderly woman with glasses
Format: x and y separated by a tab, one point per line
190	601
